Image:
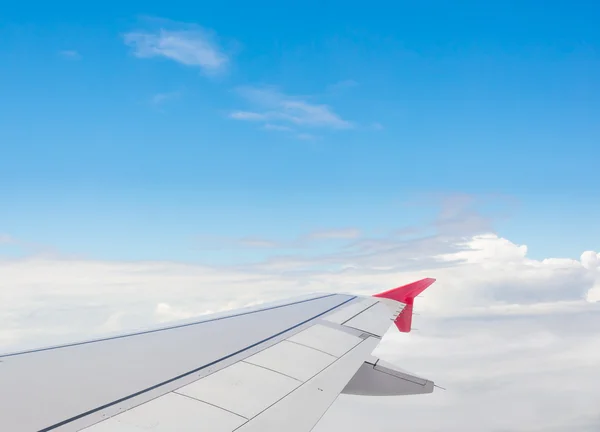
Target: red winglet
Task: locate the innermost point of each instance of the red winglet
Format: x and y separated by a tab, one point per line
406	294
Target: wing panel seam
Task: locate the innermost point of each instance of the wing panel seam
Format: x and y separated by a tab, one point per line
304	383
208	403
364	310
271	370
313	348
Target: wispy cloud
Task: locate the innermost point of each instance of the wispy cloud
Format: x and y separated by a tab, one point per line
248	115
6	239
303	241
70	54
275	127
343	233
184	43
256	242
160	98
280	110
306	137
341	86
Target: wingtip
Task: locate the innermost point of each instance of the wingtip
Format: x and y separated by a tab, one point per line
406	294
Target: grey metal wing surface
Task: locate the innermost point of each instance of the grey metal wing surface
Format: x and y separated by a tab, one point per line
269	368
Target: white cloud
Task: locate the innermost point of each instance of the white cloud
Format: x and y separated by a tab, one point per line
303	242
274	127
504	333
160	98
189	45
344	233
593	294
281	110
255	242
248	115
590	260
6	239
165	312
306	137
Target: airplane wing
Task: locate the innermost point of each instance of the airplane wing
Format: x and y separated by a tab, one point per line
268	368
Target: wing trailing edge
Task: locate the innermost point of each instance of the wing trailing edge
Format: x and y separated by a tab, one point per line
378	378
406	294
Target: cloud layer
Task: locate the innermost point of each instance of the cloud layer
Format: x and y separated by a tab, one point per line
513	339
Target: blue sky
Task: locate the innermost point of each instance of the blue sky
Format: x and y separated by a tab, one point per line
138	131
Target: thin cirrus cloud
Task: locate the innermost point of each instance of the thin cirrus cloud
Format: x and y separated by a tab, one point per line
275	127
250	116
193	46
280	111
306	137
6	239
340	86
70	54
301	242
187	44
338	234
161	98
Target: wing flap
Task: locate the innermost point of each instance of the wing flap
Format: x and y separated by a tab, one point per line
242	388
291	359
287	386
384	379
302	409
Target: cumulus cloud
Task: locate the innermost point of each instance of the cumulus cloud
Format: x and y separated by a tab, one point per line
165	312
590	260
504	333
188	44
278	109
